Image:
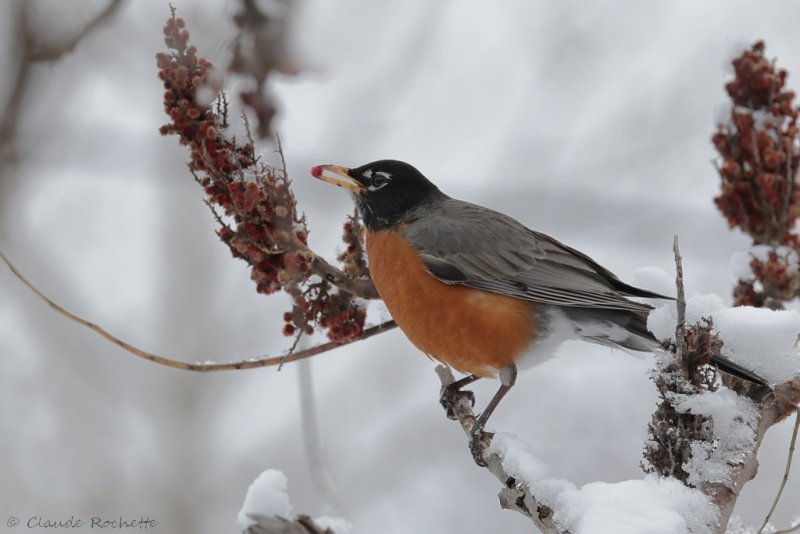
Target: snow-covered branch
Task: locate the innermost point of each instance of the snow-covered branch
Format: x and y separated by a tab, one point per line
515	493
268	510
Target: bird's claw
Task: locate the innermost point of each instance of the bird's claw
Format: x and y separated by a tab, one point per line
478	442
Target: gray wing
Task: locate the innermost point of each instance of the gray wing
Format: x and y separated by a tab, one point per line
461	243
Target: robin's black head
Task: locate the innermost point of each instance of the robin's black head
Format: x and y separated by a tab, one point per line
387	191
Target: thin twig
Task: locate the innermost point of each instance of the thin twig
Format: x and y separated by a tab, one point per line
321	472
252	363
279	149
785	473
38	53
680	329
793	528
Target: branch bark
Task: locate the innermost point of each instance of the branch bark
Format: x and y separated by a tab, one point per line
514	495
278	525
364	289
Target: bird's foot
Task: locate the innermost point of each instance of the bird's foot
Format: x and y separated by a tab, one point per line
450	396
478	442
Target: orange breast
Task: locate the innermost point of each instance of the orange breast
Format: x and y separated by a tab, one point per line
472	331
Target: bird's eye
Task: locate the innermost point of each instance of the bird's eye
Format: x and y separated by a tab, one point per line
379	180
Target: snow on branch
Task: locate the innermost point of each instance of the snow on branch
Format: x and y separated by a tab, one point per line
268	510
705	433
656	505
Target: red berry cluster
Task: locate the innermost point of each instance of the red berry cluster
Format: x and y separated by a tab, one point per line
335	311
775	280
253	202
759	151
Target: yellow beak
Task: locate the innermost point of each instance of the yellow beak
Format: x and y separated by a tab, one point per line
346	181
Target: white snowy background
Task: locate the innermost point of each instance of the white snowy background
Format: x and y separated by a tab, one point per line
589	121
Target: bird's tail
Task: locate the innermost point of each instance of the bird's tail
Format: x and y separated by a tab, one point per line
628	329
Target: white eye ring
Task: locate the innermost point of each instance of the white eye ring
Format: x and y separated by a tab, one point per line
379	180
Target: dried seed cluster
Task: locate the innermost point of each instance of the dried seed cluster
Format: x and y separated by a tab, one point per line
759	150
253	202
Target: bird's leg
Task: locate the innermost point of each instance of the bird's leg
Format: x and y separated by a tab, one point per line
450	393
508	376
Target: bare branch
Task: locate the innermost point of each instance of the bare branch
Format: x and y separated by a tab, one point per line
32	50
680	329
39	52
356	287
252	363
785	472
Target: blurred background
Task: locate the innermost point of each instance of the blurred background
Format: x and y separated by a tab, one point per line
587	121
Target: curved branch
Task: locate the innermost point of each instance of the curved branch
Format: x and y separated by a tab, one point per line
252	363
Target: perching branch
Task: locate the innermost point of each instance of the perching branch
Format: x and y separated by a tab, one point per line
514	495
251	363
363	288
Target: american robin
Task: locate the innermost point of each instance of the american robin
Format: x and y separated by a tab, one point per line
480	292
